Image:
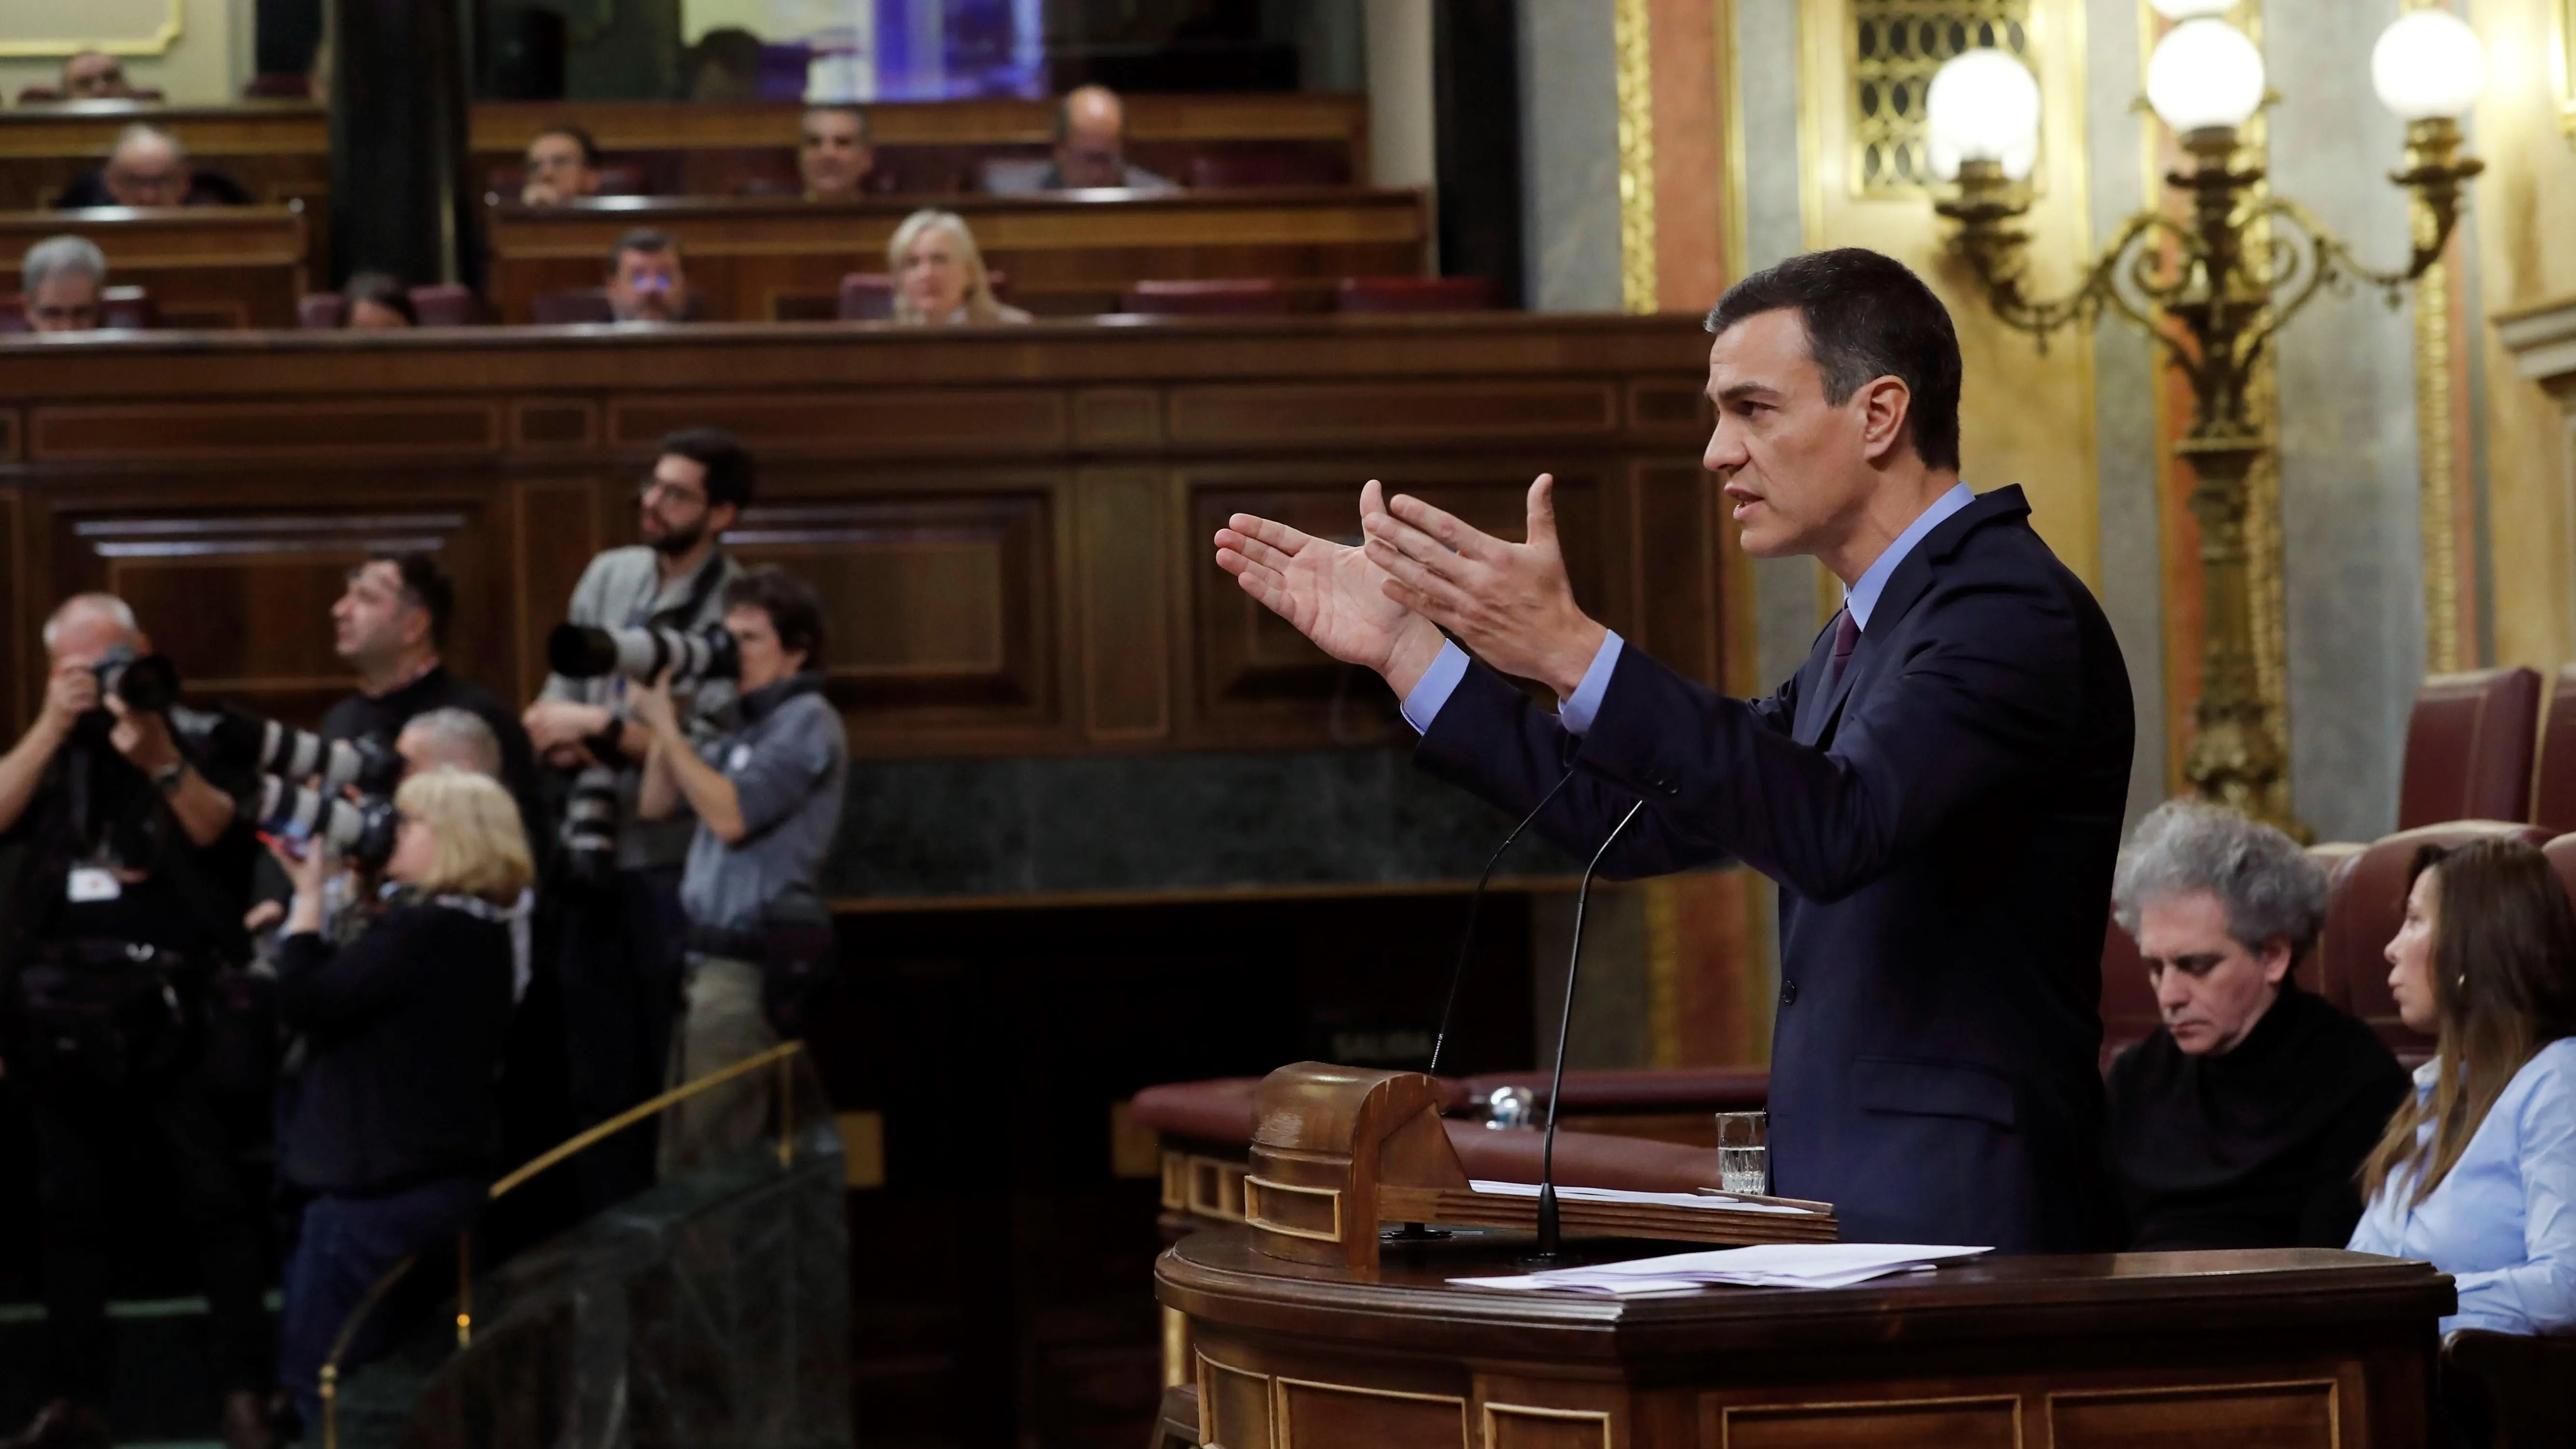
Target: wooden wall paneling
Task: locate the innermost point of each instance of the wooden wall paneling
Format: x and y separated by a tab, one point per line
555	529
205	266
239	595
1257	678
759	259
942	613
1967	1422
1126	669
554	424
1678	617
1391	412
880	422
328	432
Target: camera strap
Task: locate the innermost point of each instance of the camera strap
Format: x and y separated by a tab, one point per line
685	613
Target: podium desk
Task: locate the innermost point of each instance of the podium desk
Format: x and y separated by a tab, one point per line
2279	1348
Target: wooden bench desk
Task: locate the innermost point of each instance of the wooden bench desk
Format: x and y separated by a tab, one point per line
758	259
205	266
280	150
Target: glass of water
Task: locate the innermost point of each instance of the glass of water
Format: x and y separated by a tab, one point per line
1744	1153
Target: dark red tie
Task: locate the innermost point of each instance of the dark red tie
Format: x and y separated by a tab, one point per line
1846	639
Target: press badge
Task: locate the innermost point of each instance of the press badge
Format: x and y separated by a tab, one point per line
93	883
740	759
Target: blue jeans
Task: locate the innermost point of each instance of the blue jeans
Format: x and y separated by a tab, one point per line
346	1244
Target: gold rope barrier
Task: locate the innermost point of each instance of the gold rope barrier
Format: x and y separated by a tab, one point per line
781	1055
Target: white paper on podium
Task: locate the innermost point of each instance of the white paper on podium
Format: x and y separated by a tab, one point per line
1766	1265
1706	1200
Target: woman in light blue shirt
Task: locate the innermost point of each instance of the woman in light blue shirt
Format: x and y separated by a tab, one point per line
2477	1174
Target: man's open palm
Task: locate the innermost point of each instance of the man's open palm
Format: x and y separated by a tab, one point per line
1330	593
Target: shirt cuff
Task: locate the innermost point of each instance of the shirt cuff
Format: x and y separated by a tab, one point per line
1432	690
1577	712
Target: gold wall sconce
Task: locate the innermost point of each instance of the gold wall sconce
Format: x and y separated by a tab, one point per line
2212	286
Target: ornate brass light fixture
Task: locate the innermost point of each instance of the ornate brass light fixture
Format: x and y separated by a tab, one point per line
2211	287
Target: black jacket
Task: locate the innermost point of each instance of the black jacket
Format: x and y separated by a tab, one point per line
1942	827
2259	1148
403	1032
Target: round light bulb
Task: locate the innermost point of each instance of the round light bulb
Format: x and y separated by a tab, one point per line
1983	105
2428	66
2205	75
2191	9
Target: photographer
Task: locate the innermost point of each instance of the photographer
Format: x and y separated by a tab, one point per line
767	797
132	870
390	625
394	1128
620	960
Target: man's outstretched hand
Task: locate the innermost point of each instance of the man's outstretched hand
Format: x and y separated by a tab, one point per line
1330	593
1509	603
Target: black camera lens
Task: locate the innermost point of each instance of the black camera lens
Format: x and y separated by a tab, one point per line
146	682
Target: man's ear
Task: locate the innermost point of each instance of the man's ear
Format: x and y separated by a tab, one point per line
2276	959
1886	404
722	516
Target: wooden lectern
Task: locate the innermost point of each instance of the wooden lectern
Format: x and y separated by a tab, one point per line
1337	1151
1299	1330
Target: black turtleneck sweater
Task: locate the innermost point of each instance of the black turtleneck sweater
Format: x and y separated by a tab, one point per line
2255	1148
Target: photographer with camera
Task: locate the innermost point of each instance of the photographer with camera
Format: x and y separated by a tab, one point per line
131	873
393	1132
767	797
619	881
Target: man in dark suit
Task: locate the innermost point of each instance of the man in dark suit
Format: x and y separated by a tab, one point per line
1938	791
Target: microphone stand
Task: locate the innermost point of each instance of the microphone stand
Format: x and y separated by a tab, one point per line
1548	1252
1416	1232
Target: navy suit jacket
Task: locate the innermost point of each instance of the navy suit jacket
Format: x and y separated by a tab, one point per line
1942	825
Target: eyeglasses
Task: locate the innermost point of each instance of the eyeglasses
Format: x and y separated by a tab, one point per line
651	488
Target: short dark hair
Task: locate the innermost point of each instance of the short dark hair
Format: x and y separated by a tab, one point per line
579	137
1867	317
794	609
728	463
426	583
852	109
651	241
382	288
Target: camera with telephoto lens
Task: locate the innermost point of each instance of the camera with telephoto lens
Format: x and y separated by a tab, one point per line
578	651
245	741
360	832
589	830
146	682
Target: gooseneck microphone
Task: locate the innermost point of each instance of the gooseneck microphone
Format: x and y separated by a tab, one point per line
1548	1233
1475	902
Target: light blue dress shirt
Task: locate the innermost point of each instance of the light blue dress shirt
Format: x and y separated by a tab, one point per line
2502	1223
1422	703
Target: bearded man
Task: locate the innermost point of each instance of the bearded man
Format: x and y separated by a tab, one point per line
622	931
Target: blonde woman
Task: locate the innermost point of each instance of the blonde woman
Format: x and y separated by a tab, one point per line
939	277
392	1126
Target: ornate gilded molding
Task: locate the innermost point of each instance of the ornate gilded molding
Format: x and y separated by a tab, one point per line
1893	47
157	42
1630	36
2437	501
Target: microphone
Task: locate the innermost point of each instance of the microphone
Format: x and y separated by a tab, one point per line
1548	1237
1475	902
1416	1232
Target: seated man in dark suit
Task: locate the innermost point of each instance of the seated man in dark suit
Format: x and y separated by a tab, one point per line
833	156
2242	1122
1090	151
1937	791
148	167
562	164
646	280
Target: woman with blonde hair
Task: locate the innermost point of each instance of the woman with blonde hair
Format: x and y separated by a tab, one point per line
393	1128
939	277
2477	1172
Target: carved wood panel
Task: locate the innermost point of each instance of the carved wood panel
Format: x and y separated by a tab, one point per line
241	602
933	607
